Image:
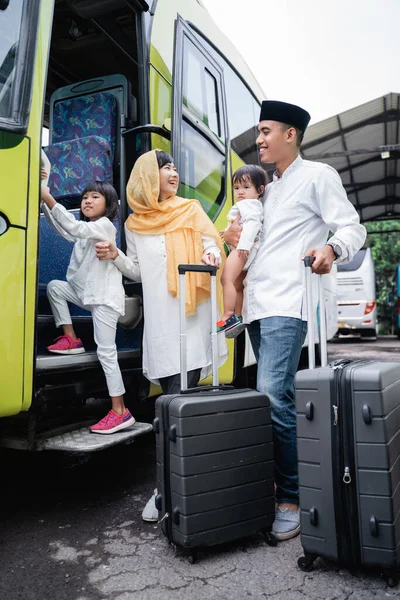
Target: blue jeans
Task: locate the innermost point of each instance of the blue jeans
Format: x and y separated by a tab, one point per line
277	343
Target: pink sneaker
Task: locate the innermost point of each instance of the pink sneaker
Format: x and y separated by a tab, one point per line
65	344
113	422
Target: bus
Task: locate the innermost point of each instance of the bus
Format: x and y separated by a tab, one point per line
106	80
356	296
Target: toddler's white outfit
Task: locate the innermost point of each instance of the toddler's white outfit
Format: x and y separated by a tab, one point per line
251	219
93	284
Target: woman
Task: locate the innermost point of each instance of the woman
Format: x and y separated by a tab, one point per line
163	232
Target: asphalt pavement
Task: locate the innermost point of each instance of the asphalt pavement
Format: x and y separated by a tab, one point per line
70	529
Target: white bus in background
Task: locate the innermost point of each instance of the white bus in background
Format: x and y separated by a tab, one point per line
356	296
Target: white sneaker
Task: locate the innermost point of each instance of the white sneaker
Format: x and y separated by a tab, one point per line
150	512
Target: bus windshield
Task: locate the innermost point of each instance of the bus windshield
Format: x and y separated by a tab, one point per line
10	26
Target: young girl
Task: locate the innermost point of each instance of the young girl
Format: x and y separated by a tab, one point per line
91	284
248	185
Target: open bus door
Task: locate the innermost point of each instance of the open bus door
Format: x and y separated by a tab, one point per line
199	140
18	202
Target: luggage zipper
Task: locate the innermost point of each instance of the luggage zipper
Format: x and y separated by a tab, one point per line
346	504
349	474
337	458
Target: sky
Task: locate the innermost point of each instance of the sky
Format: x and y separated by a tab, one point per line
326	55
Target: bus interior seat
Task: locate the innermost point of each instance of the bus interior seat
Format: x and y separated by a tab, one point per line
76	162
85	133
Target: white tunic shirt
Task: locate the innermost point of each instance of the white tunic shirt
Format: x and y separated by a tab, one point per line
300	209
147	262
94	281
251	218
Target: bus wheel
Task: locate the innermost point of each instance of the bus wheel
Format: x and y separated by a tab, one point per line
368	335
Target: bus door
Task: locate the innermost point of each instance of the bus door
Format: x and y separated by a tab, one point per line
19	28
199	129
200	133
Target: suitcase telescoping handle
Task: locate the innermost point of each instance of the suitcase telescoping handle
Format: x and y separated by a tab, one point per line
308	261
183	269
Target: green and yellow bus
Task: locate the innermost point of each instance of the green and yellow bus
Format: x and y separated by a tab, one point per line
105	80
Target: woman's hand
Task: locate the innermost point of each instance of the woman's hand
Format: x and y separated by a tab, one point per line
211	260
106	251
43	174
232	235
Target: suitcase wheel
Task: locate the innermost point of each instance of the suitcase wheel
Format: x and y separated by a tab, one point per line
306	563
190	555
270	538
392	581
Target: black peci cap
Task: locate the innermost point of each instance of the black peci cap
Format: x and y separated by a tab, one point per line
273	110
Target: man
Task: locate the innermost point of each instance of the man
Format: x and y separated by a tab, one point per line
303	203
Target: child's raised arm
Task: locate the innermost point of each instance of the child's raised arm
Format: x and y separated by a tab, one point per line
101	230
72	229
47	198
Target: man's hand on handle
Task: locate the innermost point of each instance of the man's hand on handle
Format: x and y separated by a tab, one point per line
324	258
232	234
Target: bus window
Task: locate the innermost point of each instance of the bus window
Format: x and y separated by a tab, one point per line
200	92
243	114
243	110
16	41
200	134
201	170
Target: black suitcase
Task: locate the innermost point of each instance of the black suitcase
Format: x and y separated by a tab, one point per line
215	472
348	435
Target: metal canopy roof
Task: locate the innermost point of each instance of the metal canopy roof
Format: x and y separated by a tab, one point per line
355	143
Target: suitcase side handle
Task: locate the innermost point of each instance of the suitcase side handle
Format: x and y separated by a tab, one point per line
156	425
308	262
373	526
313	516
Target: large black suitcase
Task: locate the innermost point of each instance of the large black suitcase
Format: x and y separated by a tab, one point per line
215	472
348	435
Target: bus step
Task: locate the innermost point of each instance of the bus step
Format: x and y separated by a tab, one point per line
83	440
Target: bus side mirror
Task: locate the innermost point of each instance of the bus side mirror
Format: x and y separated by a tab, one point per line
4	4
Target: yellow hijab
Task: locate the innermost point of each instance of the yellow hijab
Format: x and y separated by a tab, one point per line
183	222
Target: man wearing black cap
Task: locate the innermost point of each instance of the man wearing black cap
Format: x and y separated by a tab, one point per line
302	204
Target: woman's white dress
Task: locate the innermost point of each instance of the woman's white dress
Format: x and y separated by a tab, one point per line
146	261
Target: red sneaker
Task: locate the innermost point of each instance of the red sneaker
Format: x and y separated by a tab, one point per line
113	422
65	344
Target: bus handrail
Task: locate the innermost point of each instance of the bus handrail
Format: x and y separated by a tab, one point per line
149	128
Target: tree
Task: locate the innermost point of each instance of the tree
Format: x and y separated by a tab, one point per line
385	248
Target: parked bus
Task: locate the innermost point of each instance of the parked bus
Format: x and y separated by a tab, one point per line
108	80
357	296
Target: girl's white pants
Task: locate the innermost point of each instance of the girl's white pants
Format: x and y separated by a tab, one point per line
104	328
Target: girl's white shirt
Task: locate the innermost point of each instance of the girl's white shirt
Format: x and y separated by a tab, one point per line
147	262
94	281
251	218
